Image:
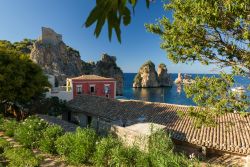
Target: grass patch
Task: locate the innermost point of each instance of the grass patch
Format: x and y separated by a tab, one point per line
20	157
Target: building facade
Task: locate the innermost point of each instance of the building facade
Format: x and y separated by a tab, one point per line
59	92
229	138
92	85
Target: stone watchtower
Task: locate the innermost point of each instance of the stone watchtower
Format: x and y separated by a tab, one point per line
49	36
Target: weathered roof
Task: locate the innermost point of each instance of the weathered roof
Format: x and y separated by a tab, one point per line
91	77
232	134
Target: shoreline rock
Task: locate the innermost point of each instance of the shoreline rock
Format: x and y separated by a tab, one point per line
186	80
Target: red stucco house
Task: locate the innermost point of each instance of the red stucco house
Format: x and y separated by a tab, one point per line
92	85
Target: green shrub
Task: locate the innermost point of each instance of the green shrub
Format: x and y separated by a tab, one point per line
49	136
77	147
1	122
160	142
29	132
3	145
161	151
20	157
9	126
64	144
111	152
128	156
102	155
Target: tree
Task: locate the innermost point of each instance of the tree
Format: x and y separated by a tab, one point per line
211	32
113	12
20	79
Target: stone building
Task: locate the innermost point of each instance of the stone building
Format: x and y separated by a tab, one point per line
49	36
92	85
131	119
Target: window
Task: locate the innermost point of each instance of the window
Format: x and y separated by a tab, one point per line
89	121
106	88
79	89
92	88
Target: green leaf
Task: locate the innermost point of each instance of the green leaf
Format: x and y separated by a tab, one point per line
118	32
133	2
126	16
147	3
99	26
93	16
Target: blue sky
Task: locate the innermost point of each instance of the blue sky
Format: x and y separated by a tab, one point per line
21	19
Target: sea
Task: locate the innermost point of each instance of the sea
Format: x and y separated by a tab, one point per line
173	94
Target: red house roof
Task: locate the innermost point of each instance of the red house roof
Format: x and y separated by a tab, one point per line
92	77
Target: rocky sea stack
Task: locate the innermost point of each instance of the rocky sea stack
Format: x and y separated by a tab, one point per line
148	77
57	59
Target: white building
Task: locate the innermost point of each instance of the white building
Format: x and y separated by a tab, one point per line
59	92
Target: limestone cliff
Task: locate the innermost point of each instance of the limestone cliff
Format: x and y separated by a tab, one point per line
62	61
147	76
55	57
107	67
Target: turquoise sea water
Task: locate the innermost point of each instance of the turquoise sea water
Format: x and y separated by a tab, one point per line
172	94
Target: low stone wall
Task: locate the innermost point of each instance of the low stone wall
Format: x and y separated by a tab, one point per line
247	161
130	137
101	127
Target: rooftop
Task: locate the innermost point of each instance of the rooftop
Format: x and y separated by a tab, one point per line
232	134
92	77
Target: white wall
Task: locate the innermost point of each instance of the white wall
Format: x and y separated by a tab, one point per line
63	95
51	79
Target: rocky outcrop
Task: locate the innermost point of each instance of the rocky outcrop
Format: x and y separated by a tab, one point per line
179	79
163	75
55	57
186	80
62	61
147	76
107	67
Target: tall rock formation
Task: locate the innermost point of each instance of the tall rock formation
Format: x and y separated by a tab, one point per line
62	61
55	57
164	77
147	76
107	67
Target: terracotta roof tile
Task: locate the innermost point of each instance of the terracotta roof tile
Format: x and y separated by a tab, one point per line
232	134
92	77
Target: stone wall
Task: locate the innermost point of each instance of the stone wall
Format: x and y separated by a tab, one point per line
130	137
63	95
247	161
79	118
49	36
